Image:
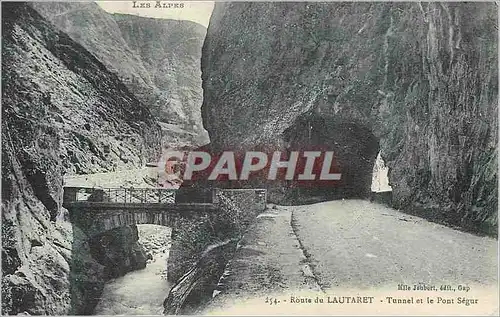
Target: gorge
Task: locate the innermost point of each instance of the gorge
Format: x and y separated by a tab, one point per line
409	89
45	74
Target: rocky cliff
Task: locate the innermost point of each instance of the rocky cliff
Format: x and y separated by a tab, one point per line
62	112
157	59
415	82
118	251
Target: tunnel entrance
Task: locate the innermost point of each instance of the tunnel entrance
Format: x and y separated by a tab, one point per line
355	148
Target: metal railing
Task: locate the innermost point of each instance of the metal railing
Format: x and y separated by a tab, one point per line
122	195
153	195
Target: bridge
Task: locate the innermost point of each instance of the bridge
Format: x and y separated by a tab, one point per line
97	210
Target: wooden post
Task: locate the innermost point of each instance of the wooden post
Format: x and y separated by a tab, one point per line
215	197
261	198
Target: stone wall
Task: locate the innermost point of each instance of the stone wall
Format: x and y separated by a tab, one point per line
208	242
95	221
235	208
247	200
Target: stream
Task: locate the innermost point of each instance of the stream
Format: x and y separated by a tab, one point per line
140	292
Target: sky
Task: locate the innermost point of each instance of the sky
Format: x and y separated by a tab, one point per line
196	11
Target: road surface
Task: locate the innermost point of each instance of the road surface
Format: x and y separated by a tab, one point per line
356	248
356	243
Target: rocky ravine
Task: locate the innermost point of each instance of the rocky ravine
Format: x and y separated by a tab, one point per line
140	292
158	60
62	112
417	81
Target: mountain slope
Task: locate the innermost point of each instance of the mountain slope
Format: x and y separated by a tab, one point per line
158	59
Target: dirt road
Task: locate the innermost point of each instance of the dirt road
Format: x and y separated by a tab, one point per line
356	243
354	247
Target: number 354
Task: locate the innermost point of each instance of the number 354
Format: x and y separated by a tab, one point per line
271	301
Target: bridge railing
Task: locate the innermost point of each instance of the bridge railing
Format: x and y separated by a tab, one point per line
245	198
120	195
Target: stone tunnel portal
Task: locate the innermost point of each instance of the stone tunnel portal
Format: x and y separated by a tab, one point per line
355	148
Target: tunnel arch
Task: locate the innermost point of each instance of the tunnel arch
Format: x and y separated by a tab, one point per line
355	147
94	222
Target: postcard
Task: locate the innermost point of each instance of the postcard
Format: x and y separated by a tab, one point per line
249	158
